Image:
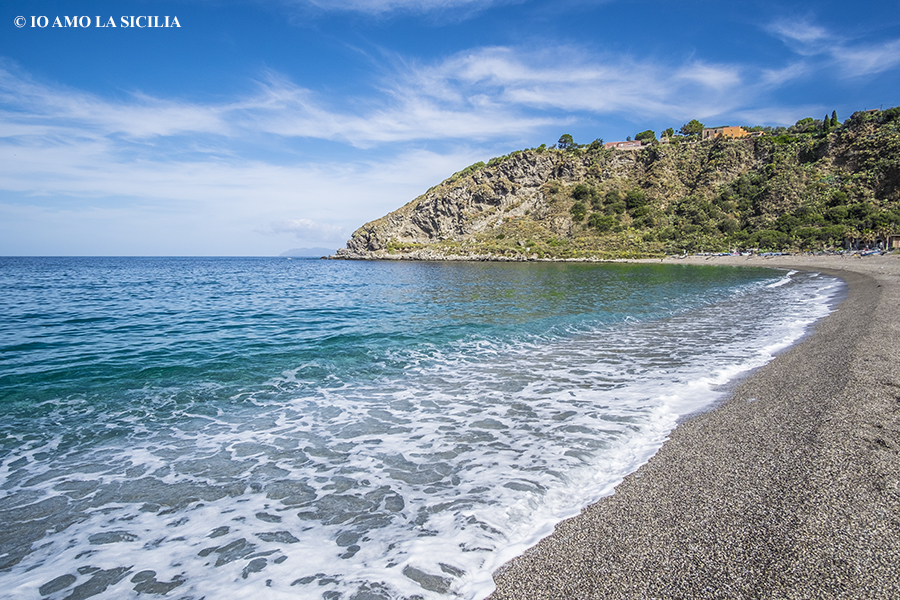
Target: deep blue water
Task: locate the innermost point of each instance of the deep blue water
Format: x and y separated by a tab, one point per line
228	427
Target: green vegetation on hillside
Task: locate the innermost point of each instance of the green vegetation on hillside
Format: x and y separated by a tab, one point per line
816	185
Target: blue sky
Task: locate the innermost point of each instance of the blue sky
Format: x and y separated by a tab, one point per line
263	125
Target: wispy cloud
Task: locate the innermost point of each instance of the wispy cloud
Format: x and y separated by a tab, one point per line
802	35
783	75
862	60
853	57
573	80
374	7
475	96
141	116
712	77
66	151
50	113
399	113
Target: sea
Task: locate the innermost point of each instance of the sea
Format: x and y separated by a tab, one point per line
229	428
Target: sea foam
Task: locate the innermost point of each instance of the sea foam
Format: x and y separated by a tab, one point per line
412	473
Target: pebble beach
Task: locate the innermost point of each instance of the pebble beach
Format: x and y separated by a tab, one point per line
790	488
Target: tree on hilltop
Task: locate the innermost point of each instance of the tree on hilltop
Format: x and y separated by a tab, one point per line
645	136
804	125
692	127
566	142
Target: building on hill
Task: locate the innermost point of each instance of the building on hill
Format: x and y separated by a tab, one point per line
712	133
623	145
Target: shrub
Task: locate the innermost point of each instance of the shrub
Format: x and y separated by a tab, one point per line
467	171
635	199
578	210
729	225
645	221
614	208
601	222
640	211
581	191
838	198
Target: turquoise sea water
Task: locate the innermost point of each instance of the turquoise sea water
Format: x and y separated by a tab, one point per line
272	428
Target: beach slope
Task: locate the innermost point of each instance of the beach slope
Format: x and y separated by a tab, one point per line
789	489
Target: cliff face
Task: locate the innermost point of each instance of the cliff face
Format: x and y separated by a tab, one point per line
813	190
460	207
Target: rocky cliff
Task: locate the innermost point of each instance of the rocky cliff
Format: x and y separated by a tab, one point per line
813	190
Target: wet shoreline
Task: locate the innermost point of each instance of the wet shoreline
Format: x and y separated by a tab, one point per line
790	488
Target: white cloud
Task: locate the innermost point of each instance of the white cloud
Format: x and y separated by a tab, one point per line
404	113
49	114
860	61
64	110
787	74
389	6
574	80
853	58
802	35
152	161
713	77
478	96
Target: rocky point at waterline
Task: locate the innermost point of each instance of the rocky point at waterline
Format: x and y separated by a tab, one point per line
818	190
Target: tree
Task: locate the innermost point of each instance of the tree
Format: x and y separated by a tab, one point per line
627	138
693	127
668	133
565	142
826	123
646	136
803	125
834	121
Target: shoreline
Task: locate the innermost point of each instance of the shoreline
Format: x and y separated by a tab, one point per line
426	255
789	488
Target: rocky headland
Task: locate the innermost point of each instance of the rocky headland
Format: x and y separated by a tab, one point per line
794	191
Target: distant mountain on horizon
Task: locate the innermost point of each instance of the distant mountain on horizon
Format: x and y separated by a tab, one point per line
308	252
